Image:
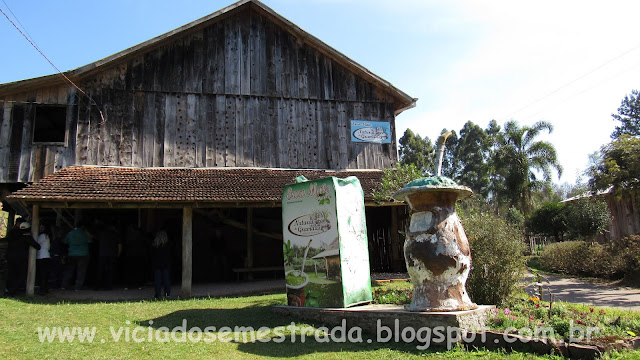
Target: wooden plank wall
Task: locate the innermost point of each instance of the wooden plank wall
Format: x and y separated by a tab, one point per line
20	159
626	218
239	92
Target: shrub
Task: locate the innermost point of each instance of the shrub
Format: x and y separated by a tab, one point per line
394	179
581	258
550	219
586	217
497	258
627	252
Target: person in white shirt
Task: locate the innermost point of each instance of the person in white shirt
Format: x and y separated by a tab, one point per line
42	260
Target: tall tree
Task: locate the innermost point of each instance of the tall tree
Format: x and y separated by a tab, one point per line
617	164
518	160
450	163
496	186
471	153
417	151
628	115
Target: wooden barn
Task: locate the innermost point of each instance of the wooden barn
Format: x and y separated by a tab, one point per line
199	129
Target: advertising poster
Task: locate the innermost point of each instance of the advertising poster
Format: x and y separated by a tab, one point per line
318	240
378	132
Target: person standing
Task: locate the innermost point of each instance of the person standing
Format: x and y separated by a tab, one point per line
109	248
42	260
78	241
161	259
19	241
135	252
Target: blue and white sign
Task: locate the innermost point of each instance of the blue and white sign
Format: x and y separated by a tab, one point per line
378	132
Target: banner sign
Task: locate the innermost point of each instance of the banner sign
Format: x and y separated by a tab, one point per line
325	245
378	132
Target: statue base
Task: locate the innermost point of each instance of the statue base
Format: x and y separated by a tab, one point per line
393	320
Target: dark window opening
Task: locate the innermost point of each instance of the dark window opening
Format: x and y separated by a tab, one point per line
50	124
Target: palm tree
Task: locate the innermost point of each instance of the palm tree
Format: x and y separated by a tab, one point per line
519	160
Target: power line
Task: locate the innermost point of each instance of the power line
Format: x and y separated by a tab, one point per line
50	62
575	80
18	20
587	89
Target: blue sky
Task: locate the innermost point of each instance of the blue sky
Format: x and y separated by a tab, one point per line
567	62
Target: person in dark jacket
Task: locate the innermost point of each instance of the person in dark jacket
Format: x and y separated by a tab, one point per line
109	248
19	240
161	259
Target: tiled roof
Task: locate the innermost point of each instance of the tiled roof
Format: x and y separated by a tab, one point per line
160	185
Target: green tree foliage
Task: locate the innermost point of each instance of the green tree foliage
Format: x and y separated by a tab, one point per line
550	219
586	217
582	218
517	158
394	179
417	151
472	153
628	115
617	164
450	162
515	218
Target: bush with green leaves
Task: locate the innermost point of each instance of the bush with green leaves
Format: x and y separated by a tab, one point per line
581	258
627	252
550	219
498	262
394	179
587	217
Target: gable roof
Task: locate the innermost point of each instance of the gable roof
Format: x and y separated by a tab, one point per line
403	101
97	186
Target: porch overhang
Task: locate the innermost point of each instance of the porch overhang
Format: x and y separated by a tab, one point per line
127	187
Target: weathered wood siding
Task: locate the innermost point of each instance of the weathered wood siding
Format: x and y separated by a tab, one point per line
240	92
20	159
625	216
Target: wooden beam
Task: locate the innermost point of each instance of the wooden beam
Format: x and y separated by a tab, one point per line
250	241
219	216
395	246
187	240
60	216
31	270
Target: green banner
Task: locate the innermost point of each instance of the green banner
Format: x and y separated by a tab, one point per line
325	243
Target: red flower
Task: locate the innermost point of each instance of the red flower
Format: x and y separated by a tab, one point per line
590	309
581	323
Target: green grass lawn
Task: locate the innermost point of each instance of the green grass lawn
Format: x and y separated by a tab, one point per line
136	322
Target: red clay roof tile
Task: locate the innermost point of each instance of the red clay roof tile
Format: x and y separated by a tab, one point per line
122	184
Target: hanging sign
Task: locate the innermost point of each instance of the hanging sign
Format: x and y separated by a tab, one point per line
378	132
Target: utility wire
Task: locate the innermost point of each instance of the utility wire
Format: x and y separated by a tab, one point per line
52	64
587	89
573	81
18	20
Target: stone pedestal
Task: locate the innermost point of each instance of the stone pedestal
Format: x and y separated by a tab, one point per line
391	320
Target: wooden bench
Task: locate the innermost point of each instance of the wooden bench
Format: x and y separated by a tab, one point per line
250	271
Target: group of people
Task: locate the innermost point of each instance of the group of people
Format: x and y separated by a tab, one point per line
64	261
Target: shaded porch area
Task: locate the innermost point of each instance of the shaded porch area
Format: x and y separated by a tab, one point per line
220	219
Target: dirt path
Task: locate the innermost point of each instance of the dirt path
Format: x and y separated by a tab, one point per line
586	292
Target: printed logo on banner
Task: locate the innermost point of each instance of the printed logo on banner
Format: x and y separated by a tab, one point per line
371	131
310	224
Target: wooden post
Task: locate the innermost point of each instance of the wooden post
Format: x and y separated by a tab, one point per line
395	246
11	220
187	238
31	270
250	242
